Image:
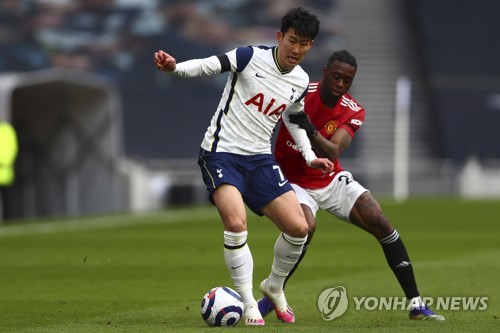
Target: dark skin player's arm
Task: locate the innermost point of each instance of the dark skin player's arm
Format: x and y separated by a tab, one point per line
333	148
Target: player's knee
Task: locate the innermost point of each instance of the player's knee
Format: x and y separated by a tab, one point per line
372	215
382	223
299	230
379	225
304	229
235	225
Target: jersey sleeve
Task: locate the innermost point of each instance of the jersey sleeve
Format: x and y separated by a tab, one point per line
299	136
198	67
238	60
354	123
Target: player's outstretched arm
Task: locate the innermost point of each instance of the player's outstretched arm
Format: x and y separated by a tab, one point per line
190	68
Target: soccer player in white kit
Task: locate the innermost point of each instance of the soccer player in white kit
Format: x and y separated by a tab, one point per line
236	160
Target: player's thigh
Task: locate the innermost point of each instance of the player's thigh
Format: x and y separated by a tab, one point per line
339	197
305	198
224	175
309	207
231	207
286	212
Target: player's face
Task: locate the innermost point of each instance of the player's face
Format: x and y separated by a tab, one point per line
292	48
337	78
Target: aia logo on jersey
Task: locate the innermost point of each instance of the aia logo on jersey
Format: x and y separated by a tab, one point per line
330	127
265	107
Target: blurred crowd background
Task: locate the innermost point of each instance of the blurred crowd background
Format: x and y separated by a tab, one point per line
117	38
454	45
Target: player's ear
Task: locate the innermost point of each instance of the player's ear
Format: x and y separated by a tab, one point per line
279	36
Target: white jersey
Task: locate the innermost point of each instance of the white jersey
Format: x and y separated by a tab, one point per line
255	95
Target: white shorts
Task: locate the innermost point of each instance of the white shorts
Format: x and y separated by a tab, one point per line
337	198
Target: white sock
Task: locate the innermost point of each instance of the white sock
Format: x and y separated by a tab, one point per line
287	251
416	302
239	263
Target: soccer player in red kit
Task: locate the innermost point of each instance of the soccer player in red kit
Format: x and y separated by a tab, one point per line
331	119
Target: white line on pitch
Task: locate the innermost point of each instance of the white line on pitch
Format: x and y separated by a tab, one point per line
108	222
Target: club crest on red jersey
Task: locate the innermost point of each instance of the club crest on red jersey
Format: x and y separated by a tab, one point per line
330	127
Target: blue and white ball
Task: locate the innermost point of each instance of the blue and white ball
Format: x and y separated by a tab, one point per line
221	306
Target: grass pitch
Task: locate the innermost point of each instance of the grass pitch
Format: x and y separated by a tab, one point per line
148	273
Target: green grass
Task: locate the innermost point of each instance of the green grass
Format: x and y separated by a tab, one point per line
148	273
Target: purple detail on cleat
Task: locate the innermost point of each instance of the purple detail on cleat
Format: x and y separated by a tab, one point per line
265	306
424	313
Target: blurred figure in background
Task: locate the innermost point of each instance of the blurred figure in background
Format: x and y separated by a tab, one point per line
19	48
8	154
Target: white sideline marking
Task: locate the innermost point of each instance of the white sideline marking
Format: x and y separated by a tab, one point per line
108	222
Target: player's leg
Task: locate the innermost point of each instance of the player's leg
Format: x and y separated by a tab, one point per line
225	183
311	224
309	207
265	305
269	193
367	214
286	212
237	255
360	208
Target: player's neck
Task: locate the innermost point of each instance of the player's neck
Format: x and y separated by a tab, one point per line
328	100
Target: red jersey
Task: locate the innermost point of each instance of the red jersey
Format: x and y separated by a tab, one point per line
347	114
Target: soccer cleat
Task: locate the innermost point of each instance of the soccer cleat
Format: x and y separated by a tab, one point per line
252	316
283	311
265	306
424	313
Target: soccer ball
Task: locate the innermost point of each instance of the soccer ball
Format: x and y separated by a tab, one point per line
221	306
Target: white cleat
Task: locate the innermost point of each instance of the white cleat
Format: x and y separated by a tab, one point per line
283	311
252	316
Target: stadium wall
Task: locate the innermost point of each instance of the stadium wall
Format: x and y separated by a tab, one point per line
69	127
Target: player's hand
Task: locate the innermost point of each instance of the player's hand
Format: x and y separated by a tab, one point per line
164	61
323	164
303	121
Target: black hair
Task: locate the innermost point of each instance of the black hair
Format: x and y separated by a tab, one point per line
343	56
302	21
